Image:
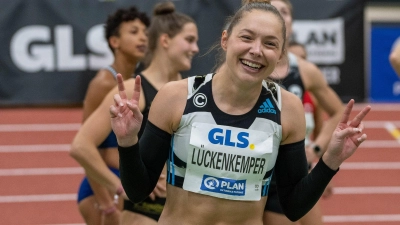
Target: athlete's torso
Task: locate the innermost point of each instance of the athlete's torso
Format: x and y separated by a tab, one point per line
211	149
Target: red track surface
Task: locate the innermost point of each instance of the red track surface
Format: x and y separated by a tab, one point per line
33	192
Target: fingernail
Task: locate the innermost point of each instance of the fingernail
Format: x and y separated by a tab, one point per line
121	104
357	130
359	139
119	115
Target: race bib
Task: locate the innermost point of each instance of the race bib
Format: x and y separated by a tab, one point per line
227	162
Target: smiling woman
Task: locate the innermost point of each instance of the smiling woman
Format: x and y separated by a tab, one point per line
236	143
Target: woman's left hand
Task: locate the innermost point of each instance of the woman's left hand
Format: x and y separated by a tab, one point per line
346	138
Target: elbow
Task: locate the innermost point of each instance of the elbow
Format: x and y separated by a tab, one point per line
394	59
75	152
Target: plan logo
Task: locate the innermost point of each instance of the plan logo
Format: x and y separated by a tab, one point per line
223	185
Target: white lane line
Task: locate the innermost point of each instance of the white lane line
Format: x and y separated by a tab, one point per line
35	148
376	107
39	127
380	124
361	218
380	144
370	166
41	171
38	198
366	190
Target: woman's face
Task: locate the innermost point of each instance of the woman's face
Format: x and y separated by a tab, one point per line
255	45
183	46
132	40
286	14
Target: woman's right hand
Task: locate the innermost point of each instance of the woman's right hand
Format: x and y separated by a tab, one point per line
126	117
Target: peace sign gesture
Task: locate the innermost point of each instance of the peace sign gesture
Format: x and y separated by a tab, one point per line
346	138
126	117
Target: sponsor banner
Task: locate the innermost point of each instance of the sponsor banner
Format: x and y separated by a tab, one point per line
52	48
324	39
384	84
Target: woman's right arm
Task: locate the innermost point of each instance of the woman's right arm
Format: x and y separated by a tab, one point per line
141	163
91	134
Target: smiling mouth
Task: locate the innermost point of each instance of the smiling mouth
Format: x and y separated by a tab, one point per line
252	65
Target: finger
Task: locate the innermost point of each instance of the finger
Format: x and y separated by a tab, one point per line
360	116
161	187
114	112
117	100
361	126
121	86
362	138
136	89
347	111
152	196
347	132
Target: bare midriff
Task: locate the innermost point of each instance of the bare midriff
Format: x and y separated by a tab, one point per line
187	208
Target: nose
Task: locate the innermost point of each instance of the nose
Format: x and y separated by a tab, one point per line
255	49
195	48
143	36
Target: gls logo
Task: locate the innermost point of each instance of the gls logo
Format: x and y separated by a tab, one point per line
31	49
219	136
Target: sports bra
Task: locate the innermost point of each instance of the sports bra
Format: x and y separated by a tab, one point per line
223	155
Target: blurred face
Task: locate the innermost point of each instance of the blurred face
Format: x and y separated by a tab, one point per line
298	50
183	46
132	40
285	12
255	45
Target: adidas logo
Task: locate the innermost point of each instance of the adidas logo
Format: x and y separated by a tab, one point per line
267	107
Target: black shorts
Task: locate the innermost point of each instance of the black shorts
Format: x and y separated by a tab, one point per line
273	204
148	207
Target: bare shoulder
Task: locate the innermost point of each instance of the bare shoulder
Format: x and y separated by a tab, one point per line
292	118
168	105
311	74
103	81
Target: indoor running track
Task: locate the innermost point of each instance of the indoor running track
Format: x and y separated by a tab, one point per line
38	179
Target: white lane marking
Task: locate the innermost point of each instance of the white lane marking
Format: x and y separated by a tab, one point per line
39	127
41	171
35	148
361	218
38	198
370	166
380	144
366	190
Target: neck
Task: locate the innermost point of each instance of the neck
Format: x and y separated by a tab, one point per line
160	72
125	67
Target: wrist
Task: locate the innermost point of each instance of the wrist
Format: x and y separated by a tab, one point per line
128	142
331	162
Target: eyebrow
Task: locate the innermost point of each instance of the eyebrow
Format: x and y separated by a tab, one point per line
252	32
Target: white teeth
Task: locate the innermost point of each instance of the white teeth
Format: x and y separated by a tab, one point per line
254	65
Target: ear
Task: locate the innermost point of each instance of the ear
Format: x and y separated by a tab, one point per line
164	40
114	42
283	55
224	39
